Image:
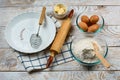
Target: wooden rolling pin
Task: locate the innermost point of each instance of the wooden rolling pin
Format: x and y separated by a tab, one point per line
60	38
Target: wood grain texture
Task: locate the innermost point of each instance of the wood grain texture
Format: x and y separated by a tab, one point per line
71	70
10	13
9	62
64	75
19	3
110	13
110	33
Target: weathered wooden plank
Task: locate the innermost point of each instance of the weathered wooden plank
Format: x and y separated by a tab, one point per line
9	62
71	70
64	75
7	14
3	42
110	13
110	33
14	3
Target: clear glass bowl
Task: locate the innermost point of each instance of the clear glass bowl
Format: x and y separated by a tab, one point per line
100	22
63	15
101	42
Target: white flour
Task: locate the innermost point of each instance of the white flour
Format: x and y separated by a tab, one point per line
84	45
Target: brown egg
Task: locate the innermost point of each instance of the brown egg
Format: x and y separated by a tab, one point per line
85	19
89	24
94	19
93	28
83	26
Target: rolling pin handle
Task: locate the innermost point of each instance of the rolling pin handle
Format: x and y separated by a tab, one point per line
49	61
71	14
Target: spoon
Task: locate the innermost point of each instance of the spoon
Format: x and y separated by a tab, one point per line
102	59
35	39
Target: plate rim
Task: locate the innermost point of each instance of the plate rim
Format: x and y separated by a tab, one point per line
31	52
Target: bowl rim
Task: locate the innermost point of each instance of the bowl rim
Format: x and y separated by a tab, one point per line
100	28
60	14
89	64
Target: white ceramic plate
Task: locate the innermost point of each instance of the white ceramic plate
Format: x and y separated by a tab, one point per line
20	29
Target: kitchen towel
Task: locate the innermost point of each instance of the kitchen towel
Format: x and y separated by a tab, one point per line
38	60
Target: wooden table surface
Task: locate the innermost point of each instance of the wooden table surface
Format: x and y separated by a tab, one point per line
12	69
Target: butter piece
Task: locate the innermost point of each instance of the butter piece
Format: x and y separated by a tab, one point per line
60	9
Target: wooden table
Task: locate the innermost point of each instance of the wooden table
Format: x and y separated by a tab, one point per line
12	69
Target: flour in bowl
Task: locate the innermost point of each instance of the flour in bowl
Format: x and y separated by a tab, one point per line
84	50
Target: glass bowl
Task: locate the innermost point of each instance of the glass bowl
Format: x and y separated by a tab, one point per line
74	48
100	23
57	7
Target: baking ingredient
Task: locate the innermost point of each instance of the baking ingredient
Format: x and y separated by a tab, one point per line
93	28
84	50
89	25
88	53
83	26
59	9
94	19
85	18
